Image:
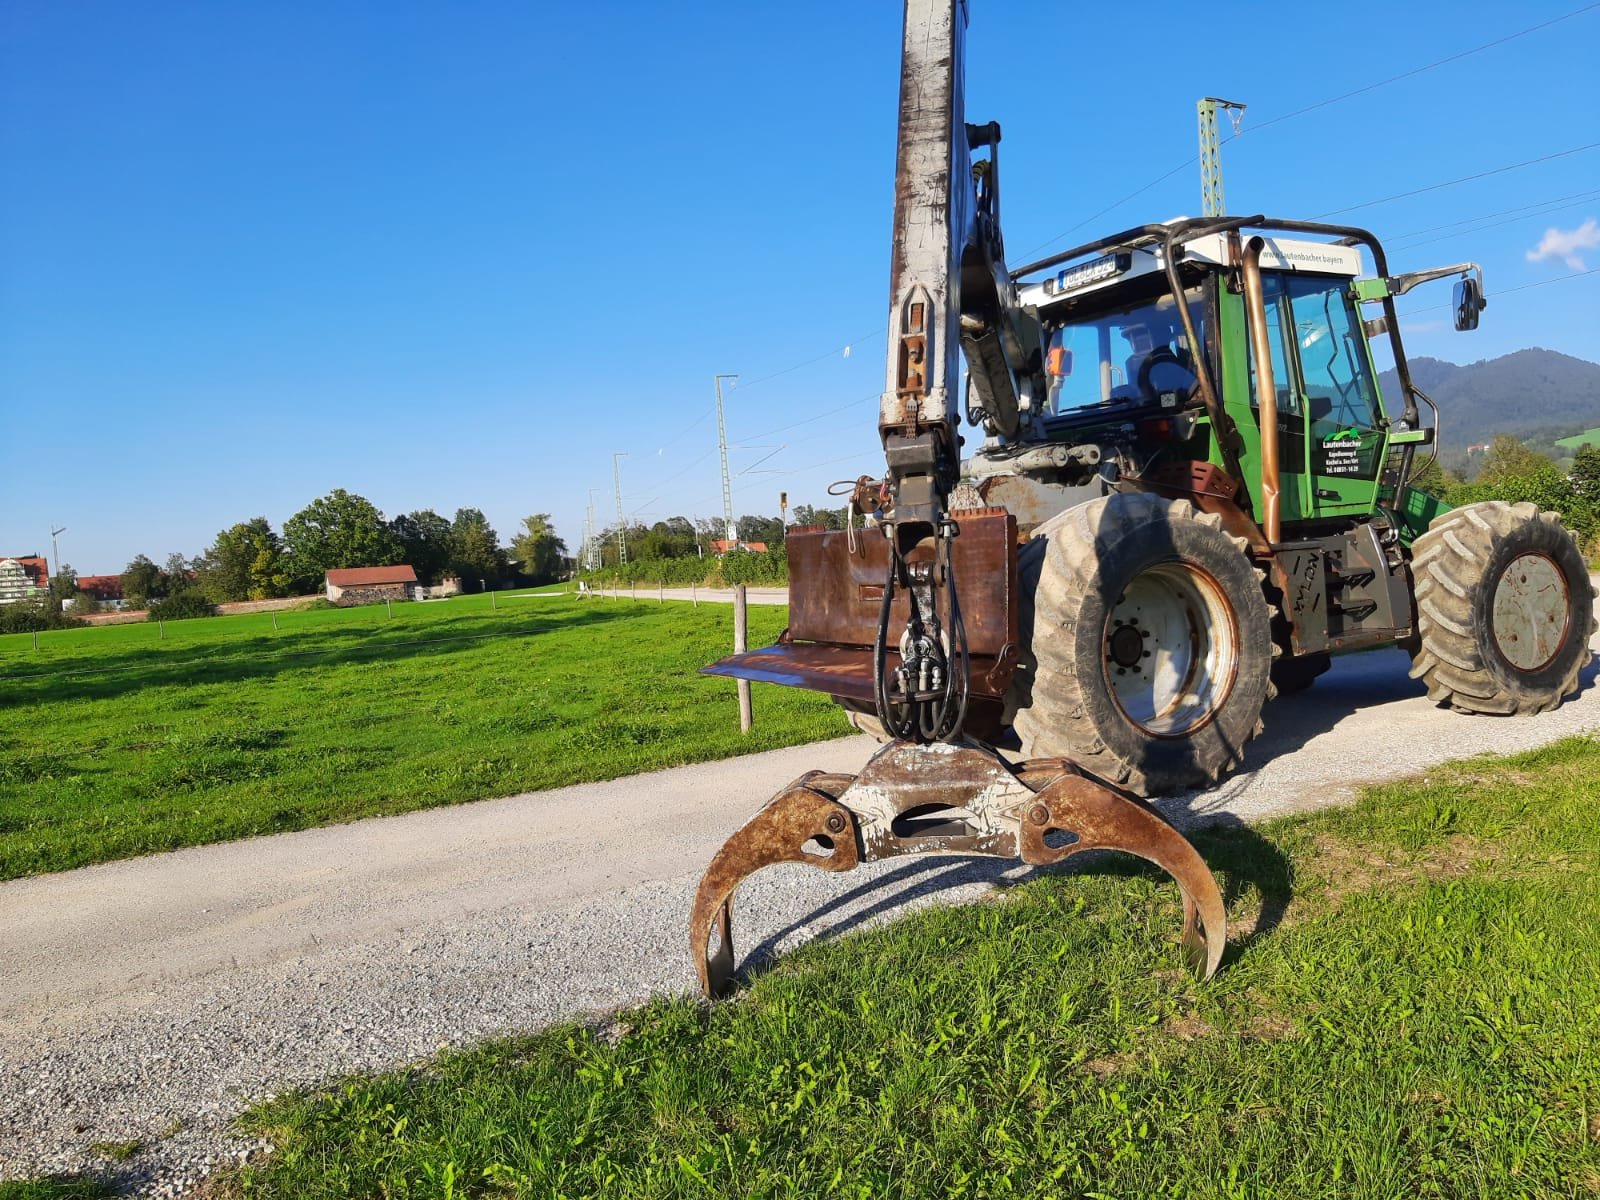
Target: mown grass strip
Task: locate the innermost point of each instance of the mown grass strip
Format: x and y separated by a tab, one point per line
1411	1010
56	1187
117	741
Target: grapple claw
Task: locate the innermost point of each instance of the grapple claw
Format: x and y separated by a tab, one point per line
951	798
800	816
1099	816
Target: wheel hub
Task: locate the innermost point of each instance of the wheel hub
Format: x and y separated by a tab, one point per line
1171	649
1530	612
1126	646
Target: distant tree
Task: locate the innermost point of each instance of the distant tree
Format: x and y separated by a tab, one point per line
63	584
142	582
827	518
338	530
475	554
34	615
245	562
1508	458
180	606
1435	479
760	529
541	553
672	538
424	538
1586	474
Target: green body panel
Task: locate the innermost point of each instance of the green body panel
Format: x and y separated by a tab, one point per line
1371	289
1416	511
1305	444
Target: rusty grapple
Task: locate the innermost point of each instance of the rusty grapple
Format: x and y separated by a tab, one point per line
955	797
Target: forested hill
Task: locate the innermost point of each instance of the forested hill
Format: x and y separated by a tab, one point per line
1525	393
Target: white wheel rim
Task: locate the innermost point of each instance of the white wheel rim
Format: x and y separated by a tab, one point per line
1170	649
1530	611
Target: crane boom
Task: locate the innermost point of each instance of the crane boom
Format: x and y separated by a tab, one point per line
948	286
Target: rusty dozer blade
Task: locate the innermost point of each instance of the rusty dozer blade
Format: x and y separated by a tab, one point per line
949	798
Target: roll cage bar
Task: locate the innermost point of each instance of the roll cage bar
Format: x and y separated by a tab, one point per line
1172	238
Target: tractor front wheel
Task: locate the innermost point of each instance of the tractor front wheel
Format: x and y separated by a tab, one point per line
1504	609
1147	643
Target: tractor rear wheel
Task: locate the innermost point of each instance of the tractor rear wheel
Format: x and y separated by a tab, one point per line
1147	643
1504	609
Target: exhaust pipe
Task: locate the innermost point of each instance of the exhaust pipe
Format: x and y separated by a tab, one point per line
1255	305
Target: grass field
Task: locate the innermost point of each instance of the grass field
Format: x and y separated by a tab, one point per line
1411	1008
117	740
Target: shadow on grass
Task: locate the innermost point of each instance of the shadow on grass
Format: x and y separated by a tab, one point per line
1248	863
265	656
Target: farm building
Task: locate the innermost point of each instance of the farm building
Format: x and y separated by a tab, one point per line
721	546
369	585
103	589
22	576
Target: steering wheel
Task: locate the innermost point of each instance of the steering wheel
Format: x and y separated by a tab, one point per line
1161	356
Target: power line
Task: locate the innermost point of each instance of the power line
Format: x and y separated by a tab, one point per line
744	387
1411	312
1522	208
1371	87
818	417
1300	112
1546	212
1453	182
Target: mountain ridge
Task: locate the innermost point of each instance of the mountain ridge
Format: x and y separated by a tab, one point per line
1527	393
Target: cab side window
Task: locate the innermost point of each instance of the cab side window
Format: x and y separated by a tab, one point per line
1333	362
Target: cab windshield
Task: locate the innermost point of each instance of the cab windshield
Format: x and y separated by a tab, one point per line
1131	355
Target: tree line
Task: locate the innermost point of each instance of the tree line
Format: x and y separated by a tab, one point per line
1513	471
252	561
681	538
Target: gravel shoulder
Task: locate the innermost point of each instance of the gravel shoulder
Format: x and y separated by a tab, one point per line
152	999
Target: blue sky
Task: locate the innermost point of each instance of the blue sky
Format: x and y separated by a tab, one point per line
449	255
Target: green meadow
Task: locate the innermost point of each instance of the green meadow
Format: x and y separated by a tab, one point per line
125	739
1410	1008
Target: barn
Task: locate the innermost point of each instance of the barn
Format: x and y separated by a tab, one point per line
350	586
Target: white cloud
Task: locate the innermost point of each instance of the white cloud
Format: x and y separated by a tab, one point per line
1565	244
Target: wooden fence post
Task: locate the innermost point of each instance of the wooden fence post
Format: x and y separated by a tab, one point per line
741	643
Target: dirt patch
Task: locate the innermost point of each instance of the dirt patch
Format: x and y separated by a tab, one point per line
1353	869
1187	1027
1270	1027
1101	1068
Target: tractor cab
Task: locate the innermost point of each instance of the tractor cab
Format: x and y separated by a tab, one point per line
1149	350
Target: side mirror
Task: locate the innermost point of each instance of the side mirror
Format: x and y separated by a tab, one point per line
1059	363
1469	302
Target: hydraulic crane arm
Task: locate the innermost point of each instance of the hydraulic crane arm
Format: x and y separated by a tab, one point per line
948	286
933	789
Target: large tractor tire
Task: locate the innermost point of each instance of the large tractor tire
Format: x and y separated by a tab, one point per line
1147	643
1504	609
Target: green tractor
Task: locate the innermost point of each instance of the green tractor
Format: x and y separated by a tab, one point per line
1207	497
1191	494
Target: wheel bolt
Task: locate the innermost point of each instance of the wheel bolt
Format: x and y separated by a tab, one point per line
1039	814
835	823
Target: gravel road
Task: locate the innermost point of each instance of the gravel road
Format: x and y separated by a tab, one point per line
150	1000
